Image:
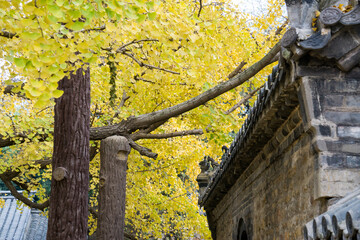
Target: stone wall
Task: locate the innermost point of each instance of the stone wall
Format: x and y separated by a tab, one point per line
274	195
331	109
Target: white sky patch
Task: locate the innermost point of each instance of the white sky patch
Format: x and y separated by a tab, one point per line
251	6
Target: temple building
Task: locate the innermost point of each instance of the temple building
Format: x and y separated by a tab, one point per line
293	169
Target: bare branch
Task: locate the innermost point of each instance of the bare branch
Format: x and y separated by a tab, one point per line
22	198
100	28
200	8
237	70
153	169
242	101
137	78
8	90
138	135
141	64
142	150
121	48
7	34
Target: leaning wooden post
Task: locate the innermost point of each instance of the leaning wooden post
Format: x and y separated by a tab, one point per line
114	152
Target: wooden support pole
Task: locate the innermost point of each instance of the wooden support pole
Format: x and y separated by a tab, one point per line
114	153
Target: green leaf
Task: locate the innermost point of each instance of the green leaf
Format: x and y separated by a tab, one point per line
77	2
63	65
34	92
150	5
110	12
74	14
20	62
56	11
57	93
152	15
59	2
53	86
141	18
44	97
30	35
131	13
41	104
77	26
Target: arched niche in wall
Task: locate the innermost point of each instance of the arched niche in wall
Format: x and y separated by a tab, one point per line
242	233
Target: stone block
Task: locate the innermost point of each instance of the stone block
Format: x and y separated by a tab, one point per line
343	118
333	100
353	101
347	131
339	46
353	74
335	161
336	182
351	148
348	86
350	60
353	161
317	71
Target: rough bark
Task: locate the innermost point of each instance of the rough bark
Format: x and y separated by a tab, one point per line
69	197
112	188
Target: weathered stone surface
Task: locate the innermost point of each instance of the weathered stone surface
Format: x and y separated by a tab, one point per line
317	41
347	131
349	118
330	16
289	38
352	17
350	60
339	46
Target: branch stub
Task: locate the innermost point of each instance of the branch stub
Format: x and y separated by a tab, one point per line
60	173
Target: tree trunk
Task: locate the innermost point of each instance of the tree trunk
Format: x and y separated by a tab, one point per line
113	161
68	212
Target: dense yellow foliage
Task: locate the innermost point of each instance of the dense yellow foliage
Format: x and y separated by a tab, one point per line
161	193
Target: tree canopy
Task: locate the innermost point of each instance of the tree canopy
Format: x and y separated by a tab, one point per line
145	58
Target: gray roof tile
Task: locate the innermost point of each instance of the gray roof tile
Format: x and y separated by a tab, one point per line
19	222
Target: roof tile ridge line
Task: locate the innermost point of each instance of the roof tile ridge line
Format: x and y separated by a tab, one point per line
244	129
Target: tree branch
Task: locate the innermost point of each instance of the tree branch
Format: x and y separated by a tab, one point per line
121	48
237	70
149	118
7	34
200	8
242	101
8	90
142	150
139	135
21	197
141	64
100	28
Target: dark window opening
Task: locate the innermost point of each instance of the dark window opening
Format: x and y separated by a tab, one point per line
242	231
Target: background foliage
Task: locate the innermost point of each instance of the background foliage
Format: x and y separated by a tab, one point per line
185	54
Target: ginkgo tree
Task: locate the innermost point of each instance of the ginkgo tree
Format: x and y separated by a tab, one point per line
143	59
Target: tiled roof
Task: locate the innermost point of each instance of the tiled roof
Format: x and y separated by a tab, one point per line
19	222
265	98
342	221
